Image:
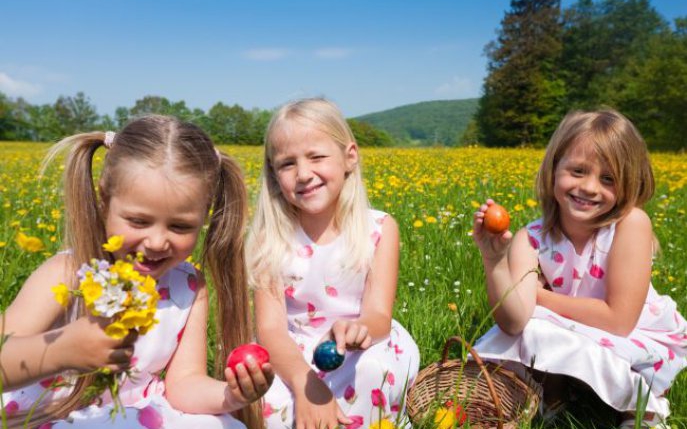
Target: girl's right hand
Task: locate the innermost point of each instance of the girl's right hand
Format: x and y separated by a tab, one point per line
492	246
84	346
316	407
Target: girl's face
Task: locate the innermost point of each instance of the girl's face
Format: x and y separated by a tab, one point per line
158	217
584	187
311	169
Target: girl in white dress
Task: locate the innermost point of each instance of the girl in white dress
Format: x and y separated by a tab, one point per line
325	267
159	180
591	313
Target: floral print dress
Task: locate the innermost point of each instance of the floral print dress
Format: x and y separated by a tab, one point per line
143	394
613	366
370	385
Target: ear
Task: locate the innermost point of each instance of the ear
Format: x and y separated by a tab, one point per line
103	201
351	156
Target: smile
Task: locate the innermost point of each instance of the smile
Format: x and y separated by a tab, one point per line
583	201
309	190
148	265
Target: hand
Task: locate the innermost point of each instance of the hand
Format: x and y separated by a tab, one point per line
350	335
85	346
492	246
250	382
316	407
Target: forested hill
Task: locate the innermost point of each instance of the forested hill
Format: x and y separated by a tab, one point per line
440	122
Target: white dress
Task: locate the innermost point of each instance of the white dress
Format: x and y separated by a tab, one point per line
370	385
613	366
144	395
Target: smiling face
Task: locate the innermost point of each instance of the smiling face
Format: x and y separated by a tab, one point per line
584	187
159	217
311	169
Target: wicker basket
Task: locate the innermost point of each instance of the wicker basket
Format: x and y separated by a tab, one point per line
493	397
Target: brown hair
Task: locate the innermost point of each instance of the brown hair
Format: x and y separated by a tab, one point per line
617	142
162	141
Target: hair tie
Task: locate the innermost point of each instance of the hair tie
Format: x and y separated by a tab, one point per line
109	139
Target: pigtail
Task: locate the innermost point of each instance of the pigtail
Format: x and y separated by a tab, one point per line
223	254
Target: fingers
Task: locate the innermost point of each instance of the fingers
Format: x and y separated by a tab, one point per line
251	381
341	417
358	337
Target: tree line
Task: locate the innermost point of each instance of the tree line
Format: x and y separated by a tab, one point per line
226	124
547	61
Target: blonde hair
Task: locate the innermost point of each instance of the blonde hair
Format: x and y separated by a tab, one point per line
616	141
276	220
161	141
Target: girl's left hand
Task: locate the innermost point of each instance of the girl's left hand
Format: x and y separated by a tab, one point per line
250	382
350	335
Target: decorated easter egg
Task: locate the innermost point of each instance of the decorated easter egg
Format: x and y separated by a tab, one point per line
242	352
496	219
326	357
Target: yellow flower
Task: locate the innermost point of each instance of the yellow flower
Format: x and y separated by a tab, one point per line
116	330
531	203
133	318
475	204
431	219
418	223
114	243
444	418
518	208
382	424
61	292
30	244
2	244
452	306
90	289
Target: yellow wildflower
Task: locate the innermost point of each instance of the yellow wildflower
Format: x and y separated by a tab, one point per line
2	244
382	424
444	418
116	330
452	306
431	219
30	244
475	204
531	203
61	292
418	223
90	289
114	243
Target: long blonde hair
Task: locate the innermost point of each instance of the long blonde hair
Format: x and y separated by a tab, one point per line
161	141
617	142
275	220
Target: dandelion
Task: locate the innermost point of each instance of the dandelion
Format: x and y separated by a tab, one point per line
452	306
114	243
431	219
28	243
418	223
382	424
531	203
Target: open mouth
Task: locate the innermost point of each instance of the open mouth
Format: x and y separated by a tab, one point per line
583	201
148	265
309	190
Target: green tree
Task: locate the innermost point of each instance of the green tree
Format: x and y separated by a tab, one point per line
523	92
652	89
228	124
75	114
367	135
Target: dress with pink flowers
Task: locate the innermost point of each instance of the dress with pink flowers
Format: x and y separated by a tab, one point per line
143	394
370	385
614	366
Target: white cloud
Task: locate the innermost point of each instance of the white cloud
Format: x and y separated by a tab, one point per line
266	54
17	88
333	53
457	87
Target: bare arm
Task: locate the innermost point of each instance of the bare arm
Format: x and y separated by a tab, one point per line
627	281
187	372
510	268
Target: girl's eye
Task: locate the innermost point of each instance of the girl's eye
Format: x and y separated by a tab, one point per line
182	228
284	165
137	222
607	180
577	172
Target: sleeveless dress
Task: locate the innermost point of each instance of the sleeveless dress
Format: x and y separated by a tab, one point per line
371	384
613	366
143	394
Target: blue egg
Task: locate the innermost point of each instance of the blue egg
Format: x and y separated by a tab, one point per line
326	357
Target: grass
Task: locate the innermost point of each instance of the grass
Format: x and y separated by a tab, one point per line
432	194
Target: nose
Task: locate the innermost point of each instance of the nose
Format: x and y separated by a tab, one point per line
590	185
303	172
157	240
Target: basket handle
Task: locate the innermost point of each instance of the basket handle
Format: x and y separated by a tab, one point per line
480	363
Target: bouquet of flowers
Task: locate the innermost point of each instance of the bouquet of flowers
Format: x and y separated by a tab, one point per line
117	292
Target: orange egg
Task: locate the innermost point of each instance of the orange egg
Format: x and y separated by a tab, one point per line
496	219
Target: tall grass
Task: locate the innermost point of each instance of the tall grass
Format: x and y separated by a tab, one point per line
432	194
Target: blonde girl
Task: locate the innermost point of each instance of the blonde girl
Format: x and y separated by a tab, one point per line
160	179
325	266
592	315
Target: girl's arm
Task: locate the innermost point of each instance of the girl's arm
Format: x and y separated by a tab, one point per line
35	348
315	406
187	371
510	265
627	281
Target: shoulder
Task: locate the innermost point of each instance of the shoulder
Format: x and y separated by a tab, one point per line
633	229
53	271
636	218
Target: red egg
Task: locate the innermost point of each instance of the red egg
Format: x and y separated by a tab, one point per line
496	219
461	415
242	352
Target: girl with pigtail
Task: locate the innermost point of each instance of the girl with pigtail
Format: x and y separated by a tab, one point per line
160	179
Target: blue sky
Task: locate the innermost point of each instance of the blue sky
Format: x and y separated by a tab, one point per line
366	55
